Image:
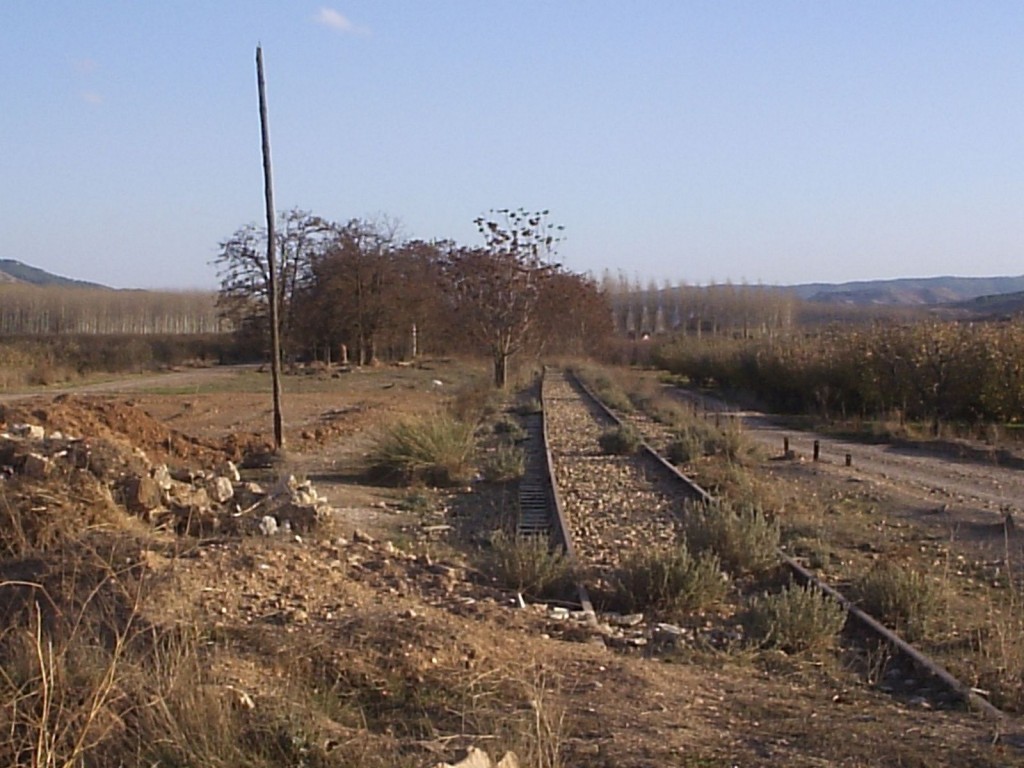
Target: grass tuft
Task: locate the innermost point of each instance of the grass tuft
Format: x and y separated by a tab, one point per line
902	599
743	536
620	441
529	564
437	450
670	580
796	620
506	462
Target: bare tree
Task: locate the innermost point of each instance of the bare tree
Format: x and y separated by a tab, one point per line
495	289
245	273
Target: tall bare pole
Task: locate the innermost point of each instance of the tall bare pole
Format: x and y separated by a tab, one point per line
268	191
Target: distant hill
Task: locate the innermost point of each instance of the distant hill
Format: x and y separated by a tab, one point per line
923	291
998	305
12	271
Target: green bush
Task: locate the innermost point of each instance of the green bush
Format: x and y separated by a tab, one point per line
743	536
902	599
620	441
529	564
437	450
671	580
795	620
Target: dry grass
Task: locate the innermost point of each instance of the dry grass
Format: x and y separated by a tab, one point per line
742	536
437	450
899	597
620	441
531	565
672	581
504	462
796	620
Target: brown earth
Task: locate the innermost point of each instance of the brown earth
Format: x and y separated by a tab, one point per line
389	603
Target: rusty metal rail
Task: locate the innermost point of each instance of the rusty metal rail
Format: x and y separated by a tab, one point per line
540	506
899	646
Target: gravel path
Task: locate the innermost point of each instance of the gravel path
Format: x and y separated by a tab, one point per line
614	504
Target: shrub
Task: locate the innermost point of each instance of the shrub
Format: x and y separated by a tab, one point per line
744	538
797	619
613	395
672	580
620	441
529	564
475	400
901	599
687	447
506	462
729	441
510	429
437	450
528	407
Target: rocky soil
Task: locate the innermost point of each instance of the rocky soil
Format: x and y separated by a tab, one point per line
385	591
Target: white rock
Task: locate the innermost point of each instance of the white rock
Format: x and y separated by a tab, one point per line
163	478
220	489
31	431
230	471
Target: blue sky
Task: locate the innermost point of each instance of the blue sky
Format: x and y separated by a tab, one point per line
781	142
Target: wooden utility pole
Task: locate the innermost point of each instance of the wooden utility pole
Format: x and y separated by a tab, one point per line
268	191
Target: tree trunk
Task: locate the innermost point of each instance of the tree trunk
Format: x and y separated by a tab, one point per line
501	370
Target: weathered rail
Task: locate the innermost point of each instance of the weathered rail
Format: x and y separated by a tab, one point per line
542	471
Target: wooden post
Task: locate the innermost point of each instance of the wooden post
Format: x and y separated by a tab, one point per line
268	192
849	459
817	449
785	446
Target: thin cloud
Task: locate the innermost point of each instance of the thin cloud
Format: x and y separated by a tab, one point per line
91	97
329	17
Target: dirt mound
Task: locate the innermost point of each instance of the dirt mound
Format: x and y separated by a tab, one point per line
37	514
123	422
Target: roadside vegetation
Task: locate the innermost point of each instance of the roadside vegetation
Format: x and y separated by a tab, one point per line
90	675
938	378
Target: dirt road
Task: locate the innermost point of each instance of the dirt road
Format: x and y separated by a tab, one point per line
964	474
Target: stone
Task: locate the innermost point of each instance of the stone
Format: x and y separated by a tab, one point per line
185	495
268	525
141	494
230	471
628	620
297	517
162	477
475	758
361	537
28	431
220	489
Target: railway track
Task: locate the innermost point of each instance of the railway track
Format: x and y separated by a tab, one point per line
600	508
